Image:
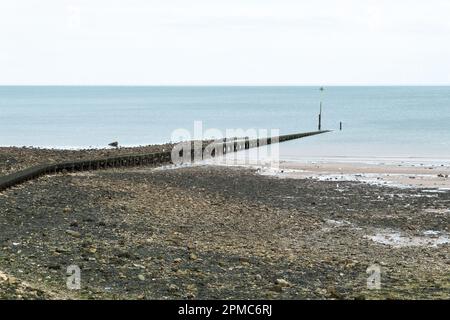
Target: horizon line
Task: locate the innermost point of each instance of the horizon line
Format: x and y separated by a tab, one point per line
225	85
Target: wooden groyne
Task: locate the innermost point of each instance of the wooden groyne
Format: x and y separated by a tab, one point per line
133	160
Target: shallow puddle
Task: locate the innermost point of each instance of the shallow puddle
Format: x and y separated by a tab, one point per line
396	239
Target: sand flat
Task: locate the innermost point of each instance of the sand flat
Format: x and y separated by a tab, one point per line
416	174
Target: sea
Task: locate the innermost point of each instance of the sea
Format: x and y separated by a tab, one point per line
377	122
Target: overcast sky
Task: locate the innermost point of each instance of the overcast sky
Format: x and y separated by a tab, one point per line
191	42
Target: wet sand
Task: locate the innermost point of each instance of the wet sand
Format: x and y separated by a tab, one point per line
395	172
399	175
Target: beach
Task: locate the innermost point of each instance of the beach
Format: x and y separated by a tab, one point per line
305	230
230	158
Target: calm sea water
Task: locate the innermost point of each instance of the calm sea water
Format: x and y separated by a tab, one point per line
377	121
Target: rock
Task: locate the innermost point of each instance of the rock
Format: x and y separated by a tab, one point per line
173	288
320	291
282	283
61	250
114	144
92	250
191	291
12	280
244	260
3	277
73	233
123	254
141	277
53	266
333	293
276	288
193	256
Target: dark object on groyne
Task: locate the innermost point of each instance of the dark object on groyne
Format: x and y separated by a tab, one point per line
132	160
320	118
320	112
340	126
114	144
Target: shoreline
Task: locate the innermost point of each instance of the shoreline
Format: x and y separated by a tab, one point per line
331	158
382	160
393	172
401	172
406	175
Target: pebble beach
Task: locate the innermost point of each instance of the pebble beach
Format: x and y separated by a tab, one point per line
216	232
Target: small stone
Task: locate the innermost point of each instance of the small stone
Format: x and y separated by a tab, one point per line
124	254
12	280
3	277
333	293
193	256
61	250
271	295
282	283
191	287
177	260
244	260
141	277
276	288
73	233
173	288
